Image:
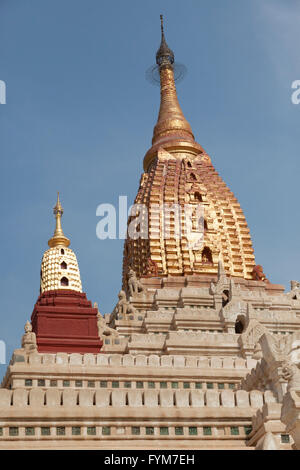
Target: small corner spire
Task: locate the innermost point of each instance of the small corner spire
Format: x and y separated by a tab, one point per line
59	237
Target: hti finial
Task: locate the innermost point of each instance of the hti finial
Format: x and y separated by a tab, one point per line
58	208
59	237
164	55
164	58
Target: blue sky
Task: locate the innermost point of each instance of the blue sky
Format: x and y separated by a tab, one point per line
80	114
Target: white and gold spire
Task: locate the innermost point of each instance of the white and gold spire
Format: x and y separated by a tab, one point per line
59	269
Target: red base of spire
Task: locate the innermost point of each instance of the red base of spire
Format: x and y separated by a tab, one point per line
65	321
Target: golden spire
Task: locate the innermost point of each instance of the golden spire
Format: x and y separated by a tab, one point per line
59	237
171	123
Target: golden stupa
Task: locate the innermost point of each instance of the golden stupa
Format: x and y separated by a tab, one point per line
179	171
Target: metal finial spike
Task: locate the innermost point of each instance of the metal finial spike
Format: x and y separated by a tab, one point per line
162	24
164	55
58	201
58	206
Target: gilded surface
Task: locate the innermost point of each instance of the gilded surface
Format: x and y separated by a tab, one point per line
171	121
178	171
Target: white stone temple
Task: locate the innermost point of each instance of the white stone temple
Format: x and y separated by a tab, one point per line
201	351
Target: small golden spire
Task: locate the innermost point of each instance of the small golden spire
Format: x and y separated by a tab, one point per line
171	123
59	237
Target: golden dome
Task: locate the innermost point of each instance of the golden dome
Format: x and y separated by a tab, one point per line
179	172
